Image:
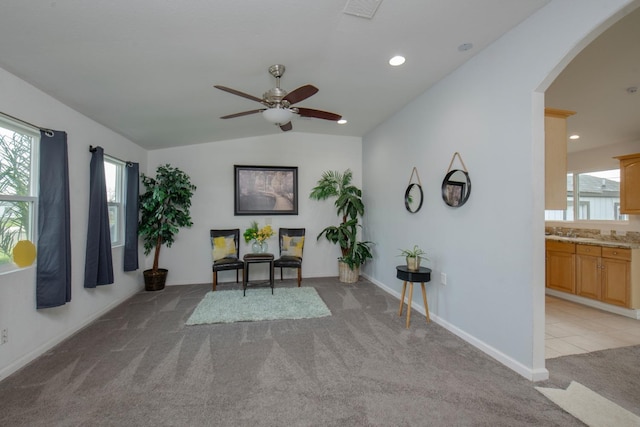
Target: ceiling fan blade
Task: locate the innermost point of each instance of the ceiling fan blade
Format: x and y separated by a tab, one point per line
300	94
244	113
318	114
287	126
237	92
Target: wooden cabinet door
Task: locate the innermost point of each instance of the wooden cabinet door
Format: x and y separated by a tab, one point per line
555	158
616	282
629	182
561	267
588	276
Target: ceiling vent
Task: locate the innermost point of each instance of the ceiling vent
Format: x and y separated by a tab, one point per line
362	8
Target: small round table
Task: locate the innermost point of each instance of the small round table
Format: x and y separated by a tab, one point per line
422	275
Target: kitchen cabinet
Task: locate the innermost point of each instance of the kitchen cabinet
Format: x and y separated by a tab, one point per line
555	158
589	271
605	273
629	182
561	266
616	276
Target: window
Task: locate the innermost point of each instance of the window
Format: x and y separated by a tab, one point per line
18	187
113	173
597	198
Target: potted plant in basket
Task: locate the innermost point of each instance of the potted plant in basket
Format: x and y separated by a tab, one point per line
164	208
413	257
350	208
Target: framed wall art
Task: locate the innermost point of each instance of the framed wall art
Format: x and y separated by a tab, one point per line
266	190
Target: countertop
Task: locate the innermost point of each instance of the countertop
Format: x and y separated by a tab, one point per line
595	242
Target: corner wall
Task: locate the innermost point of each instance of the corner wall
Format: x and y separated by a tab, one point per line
32	332
490	110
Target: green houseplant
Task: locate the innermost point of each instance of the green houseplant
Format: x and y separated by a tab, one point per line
164	208
413	257
349	207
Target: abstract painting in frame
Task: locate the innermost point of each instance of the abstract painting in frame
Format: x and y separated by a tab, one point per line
266	190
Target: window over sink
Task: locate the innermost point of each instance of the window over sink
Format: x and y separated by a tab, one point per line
596	198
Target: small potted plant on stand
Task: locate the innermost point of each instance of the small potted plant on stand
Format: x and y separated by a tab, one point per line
164	208
350	208
413	257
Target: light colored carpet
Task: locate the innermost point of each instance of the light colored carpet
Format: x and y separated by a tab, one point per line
259	304
589	407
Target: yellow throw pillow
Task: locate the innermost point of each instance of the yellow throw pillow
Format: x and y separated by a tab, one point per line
292	246
223	247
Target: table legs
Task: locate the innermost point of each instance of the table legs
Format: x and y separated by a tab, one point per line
409	298
245	275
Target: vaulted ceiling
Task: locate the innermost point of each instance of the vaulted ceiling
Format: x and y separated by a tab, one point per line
146	68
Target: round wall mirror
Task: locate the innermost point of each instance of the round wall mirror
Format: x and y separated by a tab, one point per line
413	198
456	188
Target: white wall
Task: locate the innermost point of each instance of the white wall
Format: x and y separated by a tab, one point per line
210	167
31	331
492	249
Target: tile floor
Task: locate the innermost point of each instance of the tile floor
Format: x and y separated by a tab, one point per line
573	329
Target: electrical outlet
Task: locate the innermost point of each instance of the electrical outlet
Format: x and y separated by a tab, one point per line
4	336
443	278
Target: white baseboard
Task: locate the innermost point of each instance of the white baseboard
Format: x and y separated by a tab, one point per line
528	373
627	312
39	351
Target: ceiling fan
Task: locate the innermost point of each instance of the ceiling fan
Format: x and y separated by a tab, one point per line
279	103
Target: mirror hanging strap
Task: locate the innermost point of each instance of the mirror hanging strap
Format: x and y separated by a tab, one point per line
464	168
414	171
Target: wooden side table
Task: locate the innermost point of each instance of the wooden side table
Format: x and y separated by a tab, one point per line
256	259
422	275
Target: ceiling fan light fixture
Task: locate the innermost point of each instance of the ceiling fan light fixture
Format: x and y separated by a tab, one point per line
277	116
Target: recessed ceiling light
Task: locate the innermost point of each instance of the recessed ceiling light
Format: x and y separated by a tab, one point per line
465	46
397	60
574	136
342	121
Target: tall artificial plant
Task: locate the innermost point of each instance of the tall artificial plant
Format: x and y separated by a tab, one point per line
164	208
350	208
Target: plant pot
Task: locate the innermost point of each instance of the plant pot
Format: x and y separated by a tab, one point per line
155	281
346	274
413	263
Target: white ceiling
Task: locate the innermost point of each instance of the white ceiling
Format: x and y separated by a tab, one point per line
146	68
595	84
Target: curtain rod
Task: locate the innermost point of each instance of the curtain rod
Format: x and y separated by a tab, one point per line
48	132
126	162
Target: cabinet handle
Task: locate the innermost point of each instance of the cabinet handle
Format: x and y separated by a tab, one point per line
615	252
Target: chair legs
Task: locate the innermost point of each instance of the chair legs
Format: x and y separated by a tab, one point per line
215	278
299	274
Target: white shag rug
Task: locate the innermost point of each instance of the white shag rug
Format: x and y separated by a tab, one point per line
259	304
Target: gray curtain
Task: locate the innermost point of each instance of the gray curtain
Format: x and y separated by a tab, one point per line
131	218
98	268
53	271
